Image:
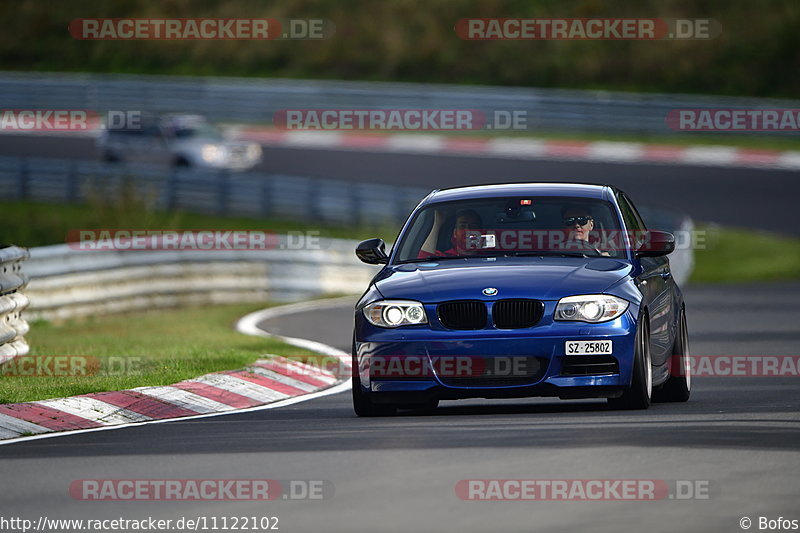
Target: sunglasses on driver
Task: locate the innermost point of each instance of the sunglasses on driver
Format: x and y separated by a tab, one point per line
571	221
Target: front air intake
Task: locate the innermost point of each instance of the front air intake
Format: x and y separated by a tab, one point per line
515	314
463	314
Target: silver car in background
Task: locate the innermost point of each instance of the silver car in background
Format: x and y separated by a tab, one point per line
177	140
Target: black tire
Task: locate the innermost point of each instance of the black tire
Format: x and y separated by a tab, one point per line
181	162
678	387
639	394
362	405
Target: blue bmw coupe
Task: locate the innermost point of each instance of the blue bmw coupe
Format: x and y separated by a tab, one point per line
518	290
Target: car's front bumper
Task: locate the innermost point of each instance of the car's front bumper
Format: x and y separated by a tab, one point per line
234	165
557	374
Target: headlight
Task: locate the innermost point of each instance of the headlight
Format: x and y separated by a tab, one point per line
590	308
212	153
394	313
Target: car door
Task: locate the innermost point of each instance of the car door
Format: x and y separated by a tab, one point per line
154	145
121	144
653	282
667	329
145	144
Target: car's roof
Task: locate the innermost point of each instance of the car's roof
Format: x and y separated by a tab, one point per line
577	190
184	120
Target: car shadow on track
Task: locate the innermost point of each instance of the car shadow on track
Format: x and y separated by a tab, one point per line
493	409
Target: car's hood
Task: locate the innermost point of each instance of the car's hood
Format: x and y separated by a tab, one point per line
541	278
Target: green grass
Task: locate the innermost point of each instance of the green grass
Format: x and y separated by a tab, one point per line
742	140
137	349
734	255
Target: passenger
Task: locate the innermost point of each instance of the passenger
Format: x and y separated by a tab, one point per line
466	220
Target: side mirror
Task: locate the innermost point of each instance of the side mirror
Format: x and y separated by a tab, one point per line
656	244
372	251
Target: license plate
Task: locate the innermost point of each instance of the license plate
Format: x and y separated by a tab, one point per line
588	348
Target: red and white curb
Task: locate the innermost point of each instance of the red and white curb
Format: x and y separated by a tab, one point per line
522	148
266	384
499	147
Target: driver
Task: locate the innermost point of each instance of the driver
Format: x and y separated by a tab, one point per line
580	224
579	220
466	220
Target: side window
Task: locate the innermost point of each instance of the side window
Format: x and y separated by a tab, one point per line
635	212
151	131
120	134
633	222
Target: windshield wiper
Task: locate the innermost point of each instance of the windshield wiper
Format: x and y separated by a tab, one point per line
498	253
434	258
532	253
548	253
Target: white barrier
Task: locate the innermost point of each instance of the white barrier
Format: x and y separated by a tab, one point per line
12	301
67	282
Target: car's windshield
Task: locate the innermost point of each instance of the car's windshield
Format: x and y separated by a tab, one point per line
517	226
203	130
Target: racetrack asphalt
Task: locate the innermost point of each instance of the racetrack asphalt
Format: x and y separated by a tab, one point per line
742	435
756	198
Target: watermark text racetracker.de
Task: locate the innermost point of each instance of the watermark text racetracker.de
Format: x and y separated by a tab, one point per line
72	366
400	366
734	120
96	240
120	490
563	239
761	366
554	490
68	120
375	119
581	29
46	120
134	29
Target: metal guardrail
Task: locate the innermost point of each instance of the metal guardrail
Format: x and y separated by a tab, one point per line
251	100
68	282
323	201
12	301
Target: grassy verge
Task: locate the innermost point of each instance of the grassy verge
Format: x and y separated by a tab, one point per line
734	255
137	349
757	142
